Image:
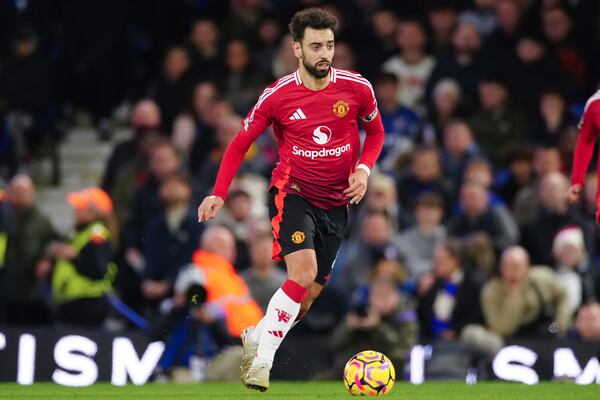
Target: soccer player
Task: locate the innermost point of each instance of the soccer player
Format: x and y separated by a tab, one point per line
589	129
314	113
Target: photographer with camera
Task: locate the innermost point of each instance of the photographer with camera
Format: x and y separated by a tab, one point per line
211	306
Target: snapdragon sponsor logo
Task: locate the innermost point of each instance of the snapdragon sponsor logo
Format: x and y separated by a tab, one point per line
323	152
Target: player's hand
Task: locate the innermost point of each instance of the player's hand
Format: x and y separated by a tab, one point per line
358	186
209	207
573	193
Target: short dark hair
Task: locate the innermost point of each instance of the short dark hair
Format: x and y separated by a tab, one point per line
315	18
430	200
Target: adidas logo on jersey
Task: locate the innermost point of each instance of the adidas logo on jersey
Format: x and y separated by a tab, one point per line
278	334
298	114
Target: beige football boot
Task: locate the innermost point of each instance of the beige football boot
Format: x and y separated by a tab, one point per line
258	377
249	352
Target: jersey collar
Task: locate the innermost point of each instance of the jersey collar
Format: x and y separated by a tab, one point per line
332	75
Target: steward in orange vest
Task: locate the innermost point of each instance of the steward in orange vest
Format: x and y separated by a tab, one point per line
227	291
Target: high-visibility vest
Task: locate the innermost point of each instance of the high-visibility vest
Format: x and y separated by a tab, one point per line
68	284
3	245
224	287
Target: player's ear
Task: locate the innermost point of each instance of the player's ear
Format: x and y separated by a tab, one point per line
297	47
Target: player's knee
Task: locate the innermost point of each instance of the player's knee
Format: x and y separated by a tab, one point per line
304	277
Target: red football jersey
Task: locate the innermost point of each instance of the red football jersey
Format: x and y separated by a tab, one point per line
317	134
589	129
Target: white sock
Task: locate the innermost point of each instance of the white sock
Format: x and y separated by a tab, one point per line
255	336
278	320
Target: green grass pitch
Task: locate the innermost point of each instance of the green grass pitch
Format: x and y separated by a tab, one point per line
303	390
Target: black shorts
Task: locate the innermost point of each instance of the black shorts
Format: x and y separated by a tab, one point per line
299	225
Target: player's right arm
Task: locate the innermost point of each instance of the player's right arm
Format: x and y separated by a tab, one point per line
253	125
584	149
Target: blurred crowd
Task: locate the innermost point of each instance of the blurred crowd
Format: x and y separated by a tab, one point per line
464	236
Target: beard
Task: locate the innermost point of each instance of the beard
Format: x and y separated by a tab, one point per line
312	69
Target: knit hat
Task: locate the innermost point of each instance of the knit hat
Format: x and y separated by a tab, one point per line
572	235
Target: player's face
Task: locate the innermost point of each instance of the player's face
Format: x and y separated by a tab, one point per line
315	51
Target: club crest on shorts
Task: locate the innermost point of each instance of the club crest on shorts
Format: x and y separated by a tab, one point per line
341	108
298	237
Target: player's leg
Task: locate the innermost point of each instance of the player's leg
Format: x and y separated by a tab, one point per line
293	230
328	238
281	314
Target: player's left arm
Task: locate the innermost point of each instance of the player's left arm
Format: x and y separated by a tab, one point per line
371	121
584	149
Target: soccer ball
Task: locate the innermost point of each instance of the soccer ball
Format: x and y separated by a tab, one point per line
369	373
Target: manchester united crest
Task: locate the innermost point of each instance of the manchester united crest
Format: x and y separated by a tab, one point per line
298	237
341	108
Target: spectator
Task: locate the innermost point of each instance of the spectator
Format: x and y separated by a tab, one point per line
533	70
378	241
268	36
553	122
555	214
29	234
517	176
126	165
579	275
242	80
402	125
523	302
169	89
479	171
587	323
206	57
448	297
417	244
384	28
442	17
263	277
464	64
526	207
193	131
479	215
444	108
170	238
237	216
387	323
424	176
479	256
227	125
83	272
381	196
459	149
412	66
509	21
285	62
557	25
498	124
146	203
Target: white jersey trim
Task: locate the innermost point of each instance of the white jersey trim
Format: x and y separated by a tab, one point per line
355	78
265	95
595	96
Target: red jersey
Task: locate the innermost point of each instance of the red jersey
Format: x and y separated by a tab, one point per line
317	133
589	129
